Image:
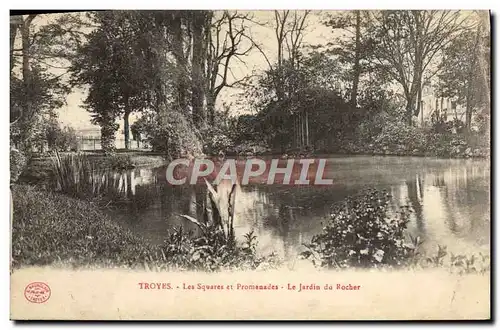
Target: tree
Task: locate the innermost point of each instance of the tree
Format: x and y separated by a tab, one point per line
352	47
228	41
282	80
111	65
408	41
460	75
36	91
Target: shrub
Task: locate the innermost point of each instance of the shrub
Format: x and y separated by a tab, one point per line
18	162
172	134
362	233
208	252
216	140
118	162
399	138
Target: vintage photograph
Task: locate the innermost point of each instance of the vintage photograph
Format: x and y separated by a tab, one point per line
217	164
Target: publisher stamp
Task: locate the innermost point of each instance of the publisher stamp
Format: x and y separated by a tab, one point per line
37	292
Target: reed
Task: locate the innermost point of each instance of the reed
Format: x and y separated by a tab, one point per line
77	175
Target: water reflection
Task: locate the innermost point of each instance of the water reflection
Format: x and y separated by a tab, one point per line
450	200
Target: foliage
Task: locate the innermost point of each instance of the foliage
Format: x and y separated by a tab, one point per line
216	246
219	137
460	74
456	263
244	128
384	131
400	139
362	233
119	162
39	43
111	64
407	43
326	111
45	94
216	140
61	139
18	162
171	133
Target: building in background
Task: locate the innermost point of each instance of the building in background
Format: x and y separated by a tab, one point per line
90	139
431	105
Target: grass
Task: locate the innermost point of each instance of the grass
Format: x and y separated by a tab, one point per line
49	227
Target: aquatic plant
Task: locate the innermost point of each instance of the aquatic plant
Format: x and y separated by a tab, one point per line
214	222
76	175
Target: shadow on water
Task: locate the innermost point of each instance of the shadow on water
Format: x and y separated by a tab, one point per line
449	199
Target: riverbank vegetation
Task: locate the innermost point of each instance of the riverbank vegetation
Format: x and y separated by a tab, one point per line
80	234
363	232
385	83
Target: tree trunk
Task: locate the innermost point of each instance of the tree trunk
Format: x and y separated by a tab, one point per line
107	137
468	107
15	23
357	68
126	129
307	130
198	93
470	82
302	135
419	102
181	69
211	108
297	131
410	103
27	111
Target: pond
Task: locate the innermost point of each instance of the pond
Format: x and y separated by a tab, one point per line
450	199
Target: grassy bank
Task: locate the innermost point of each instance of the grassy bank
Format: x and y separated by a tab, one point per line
48	228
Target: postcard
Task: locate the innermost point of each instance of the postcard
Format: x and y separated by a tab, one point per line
250	165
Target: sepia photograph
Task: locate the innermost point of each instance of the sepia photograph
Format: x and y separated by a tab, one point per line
250	165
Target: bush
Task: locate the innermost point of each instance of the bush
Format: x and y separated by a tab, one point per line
361	233
61	139
400	139
172	134
118	162
216	140
18	162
